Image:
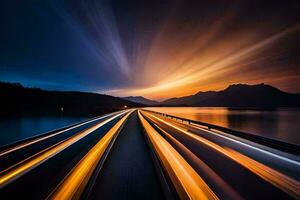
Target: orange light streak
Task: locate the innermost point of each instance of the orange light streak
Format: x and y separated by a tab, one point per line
25	144
283	182
204	167
75	182
185	179
28	164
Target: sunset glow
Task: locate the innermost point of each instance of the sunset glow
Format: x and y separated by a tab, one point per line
123	49
197	67
156	99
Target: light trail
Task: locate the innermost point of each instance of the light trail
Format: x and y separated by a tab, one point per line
25	144
224	136
283	182
75	182
205	169
28	164
232	138
185	179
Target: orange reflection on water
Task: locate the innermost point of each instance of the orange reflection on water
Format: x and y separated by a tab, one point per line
217	116
280	124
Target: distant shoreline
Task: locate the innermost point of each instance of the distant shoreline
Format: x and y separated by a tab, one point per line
17	100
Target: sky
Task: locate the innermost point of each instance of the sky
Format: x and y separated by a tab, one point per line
157	49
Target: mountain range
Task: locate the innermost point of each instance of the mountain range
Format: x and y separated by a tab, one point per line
141	100
236	95
239	95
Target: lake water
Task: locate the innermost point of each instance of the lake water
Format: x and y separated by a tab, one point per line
14	129
281	124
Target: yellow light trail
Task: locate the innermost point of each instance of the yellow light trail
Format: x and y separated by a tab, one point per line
232	194
283	182
75	182
25	144
28	164
185	179
226	136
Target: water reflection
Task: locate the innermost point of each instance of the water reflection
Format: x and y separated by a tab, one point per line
14	129
280	124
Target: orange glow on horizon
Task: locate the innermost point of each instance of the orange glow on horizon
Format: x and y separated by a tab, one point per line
206	63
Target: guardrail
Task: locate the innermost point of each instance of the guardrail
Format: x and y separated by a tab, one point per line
276	144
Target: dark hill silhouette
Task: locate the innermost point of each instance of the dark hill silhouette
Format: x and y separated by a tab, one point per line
240	95
18	100
141	100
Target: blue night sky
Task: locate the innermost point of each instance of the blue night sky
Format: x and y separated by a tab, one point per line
157	49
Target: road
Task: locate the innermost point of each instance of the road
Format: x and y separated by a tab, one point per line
137	154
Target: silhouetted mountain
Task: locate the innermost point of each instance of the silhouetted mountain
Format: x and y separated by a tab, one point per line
240	95
16	99
141	100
